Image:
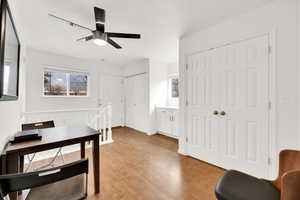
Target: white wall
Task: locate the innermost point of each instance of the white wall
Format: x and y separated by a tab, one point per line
11	110
37	61
281	17
158	84
173	68
156	88
137	67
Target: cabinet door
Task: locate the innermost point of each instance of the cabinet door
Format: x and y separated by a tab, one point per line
175	123
163	121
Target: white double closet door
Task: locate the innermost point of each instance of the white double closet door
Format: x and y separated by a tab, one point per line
228	112
137	102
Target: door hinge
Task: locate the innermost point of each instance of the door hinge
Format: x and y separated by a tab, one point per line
269	49
269	105
186	103
186	139
269	161
186	67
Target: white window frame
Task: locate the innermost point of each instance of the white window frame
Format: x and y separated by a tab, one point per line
172	101
67	72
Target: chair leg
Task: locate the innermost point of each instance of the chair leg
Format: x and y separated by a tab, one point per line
30	160
49	164
61	155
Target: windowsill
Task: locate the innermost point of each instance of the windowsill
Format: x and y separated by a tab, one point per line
169	107
44	96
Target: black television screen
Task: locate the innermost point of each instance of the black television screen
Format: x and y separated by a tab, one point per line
9	55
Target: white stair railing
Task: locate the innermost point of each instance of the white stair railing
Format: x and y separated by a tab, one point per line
96	118
102	122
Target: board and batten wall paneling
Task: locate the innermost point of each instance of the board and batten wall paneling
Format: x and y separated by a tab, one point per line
279	17
38	60
158	77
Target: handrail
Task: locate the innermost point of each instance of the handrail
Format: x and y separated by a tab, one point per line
56	111
97	118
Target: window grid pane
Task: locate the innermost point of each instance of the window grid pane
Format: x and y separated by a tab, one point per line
65	84
55	84
78	85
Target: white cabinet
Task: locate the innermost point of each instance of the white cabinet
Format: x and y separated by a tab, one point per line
167	121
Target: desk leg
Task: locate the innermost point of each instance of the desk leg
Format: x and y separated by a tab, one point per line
21	169
13	166
96	161
82	150
21	163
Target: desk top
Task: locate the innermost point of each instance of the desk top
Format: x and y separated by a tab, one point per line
54	138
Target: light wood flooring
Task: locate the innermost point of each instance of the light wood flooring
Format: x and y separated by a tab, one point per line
141	167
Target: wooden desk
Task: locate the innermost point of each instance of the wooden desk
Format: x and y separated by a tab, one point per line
53	138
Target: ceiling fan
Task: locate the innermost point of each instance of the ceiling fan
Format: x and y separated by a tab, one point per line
99	36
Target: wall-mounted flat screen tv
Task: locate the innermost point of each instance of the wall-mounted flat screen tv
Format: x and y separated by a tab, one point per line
9	55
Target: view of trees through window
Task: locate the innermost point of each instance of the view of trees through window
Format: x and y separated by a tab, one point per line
65	84
78	85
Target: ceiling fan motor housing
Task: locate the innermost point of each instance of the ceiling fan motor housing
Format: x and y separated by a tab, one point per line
100	35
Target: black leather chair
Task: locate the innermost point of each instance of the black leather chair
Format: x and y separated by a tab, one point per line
236	185
68	182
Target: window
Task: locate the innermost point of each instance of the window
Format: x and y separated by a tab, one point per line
58	83
173	89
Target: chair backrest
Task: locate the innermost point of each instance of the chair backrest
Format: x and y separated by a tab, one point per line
289	160
17	182
38	125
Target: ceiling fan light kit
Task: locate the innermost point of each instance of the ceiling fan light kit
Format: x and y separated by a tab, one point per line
99	36
100	42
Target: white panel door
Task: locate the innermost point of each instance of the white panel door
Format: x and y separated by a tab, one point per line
112	92
243	75
203	101
239	90
137	110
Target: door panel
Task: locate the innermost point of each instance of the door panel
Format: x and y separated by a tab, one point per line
111	92
164	121
137	102
233	79
203	100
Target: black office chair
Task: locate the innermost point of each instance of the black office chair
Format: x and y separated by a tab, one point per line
68	182
36	126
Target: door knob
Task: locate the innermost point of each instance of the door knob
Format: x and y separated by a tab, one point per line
223	113
216	112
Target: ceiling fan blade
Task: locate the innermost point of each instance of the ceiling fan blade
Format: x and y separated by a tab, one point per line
70	23
87	38
100	19
124	35
113	43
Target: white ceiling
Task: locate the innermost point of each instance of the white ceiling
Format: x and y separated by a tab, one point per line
160	22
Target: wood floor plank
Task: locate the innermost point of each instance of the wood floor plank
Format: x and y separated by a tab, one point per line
141	167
